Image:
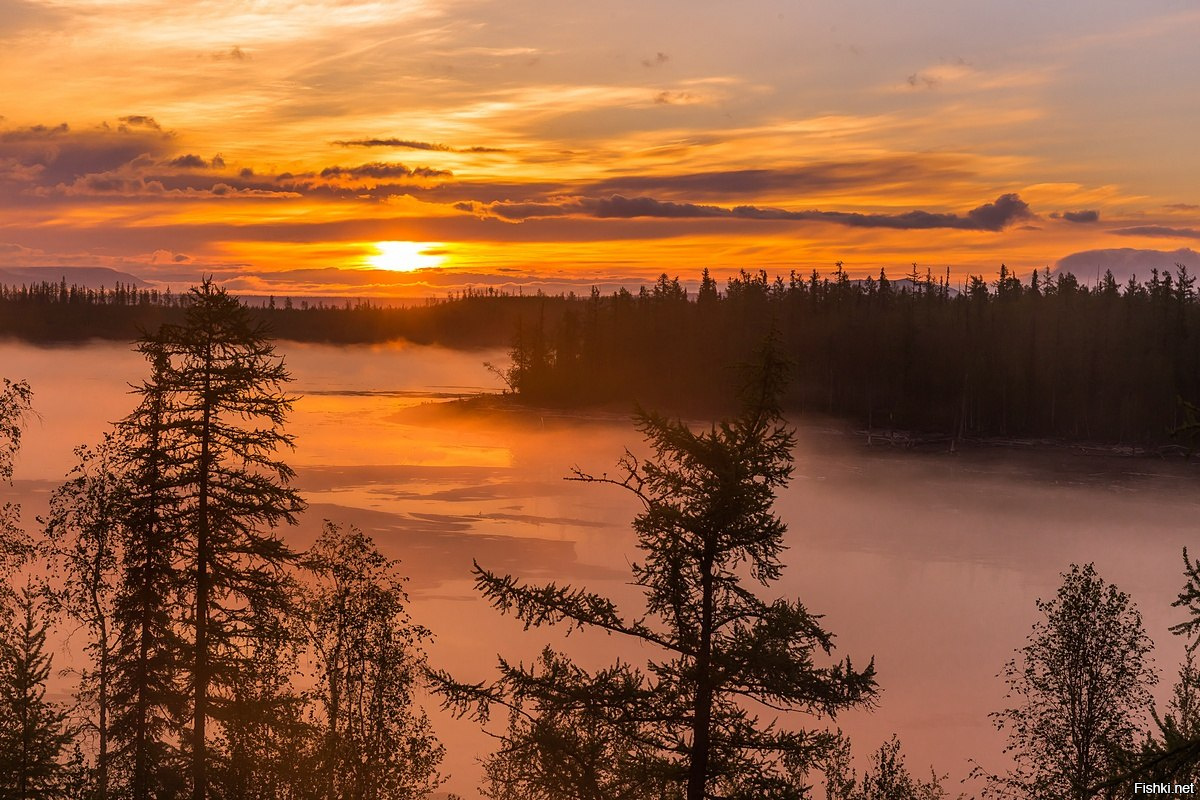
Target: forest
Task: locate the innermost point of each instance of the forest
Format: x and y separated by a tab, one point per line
222	663
912	359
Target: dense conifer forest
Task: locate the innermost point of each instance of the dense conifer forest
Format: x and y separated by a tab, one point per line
1048	357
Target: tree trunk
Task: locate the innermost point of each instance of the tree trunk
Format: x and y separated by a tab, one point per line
202	664
102	702
101	618
141	734
701	722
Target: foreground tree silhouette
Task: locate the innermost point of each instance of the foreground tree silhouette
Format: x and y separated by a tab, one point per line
33	731
371	741
1080	690
149	698
1172	753
686	726
15	546
83	534
886	777
214	407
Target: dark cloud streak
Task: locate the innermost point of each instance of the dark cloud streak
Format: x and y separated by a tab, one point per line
378	169
188	161
994	216
1158	231
410	144
748	182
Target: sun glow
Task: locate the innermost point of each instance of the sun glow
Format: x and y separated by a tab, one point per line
407	256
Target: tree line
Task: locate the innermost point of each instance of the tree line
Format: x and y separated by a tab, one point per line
58	312
219	662
1049	357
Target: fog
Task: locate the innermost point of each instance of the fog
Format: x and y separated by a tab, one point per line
928	562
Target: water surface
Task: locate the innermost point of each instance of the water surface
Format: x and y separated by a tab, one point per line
930	563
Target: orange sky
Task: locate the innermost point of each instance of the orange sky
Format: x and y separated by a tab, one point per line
277	144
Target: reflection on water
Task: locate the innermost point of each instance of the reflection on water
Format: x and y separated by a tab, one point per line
930	563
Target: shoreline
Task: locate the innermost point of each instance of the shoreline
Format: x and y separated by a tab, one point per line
898	440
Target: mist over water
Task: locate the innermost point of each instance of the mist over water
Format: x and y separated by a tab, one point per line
929	562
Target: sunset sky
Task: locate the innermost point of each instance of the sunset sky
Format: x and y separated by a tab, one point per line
413	148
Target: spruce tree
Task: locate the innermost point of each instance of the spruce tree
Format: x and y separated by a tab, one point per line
218	408
33	731
1172	753
149	692
689	720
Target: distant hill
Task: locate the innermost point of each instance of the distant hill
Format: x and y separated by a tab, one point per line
87	277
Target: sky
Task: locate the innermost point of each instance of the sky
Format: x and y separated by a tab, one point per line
418	148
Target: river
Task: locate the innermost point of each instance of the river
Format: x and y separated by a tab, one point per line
930	563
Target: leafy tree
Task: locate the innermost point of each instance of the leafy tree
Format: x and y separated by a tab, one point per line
1080	690
707	528
83	534
33	731
218	411
264	736
370	742
886	778
15	546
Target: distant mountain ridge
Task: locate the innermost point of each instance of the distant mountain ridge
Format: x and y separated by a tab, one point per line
88	277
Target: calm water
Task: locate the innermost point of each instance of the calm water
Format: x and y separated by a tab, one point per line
929	563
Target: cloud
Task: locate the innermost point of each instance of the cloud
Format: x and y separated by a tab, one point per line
234	53
659	59
994	216
1083	217
17	16
1158	231
820	176
123	183
933	77
134	160
1126	262
189	161
378	169
409	144
673	98
140	121
919	80
58	154
163	256
35	133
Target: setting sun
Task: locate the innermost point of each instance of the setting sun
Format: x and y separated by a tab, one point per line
406	256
